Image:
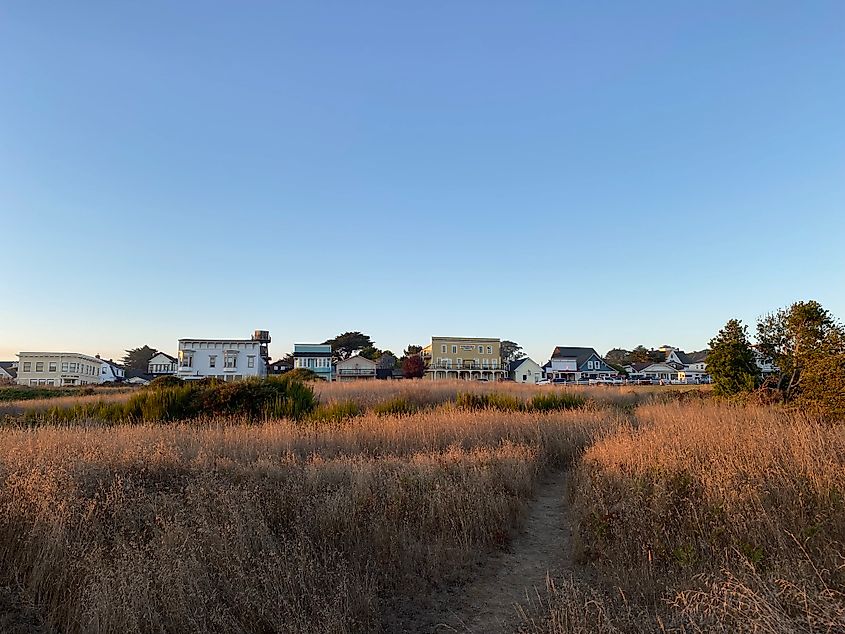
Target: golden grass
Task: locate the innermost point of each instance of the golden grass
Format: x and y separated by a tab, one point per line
733	514
275	527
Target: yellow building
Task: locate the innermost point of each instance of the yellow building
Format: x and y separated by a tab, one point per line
478	358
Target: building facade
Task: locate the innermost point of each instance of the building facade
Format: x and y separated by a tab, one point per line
470	358
577	364
223	359
162	364
316	357
355	368
525	370
110	372
58	369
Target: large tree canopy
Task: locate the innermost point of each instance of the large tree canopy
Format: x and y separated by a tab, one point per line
511	351
731	361
138	358
796	337
618	356
348	343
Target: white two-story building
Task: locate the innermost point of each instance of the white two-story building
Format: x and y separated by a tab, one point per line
224	359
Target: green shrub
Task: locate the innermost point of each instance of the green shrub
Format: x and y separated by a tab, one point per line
554	401
277	397
26	393
168	380
400	406
335	412
303	374
495	400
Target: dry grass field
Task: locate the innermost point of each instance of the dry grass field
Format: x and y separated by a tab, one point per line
685	516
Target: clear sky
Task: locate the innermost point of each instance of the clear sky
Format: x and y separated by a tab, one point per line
557	173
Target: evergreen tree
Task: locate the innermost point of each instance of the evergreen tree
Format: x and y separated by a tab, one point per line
511	351
138	358
731	361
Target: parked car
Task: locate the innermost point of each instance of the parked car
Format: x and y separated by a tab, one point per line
544	382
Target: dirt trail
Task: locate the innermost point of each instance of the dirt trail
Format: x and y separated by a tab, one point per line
487	605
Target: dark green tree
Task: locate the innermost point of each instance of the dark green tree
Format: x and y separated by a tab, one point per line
618	356
792	337
638	355
511	351
731	361
138	358
411	350
347	344
371	352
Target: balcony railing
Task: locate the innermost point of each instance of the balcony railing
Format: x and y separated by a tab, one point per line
465	365
356	372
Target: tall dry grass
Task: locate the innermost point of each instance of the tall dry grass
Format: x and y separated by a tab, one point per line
733	515
427	393
276	527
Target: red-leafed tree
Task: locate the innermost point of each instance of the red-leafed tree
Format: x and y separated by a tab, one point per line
413	367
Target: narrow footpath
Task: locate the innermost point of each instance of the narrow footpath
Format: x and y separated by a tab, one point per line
544	545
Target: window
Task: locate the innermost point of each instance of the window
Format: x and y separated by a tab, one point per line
27	366
489	349
64	366
480	349
250	362
212	360
230	360
443	348
455	350
39	366
186	359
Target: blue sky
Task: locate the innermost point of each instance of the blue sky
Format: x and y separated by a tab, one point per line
601	174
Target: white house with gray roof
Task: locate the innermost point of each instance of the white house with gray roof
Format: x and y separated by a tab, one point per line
577	364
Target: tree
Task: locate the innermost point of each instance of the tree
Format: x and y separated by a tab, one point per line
618	356
371	352
511	351
413	367
823	377
347	344
731	361
286	360
411	350
638	355
791	337
138	358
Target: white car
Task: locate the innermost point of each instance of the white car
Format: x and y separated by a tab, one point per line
543	382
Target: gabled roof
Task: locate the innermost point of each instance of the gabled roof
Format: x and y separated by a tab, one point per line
9	368
688	359
164	354
513	365
579	354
